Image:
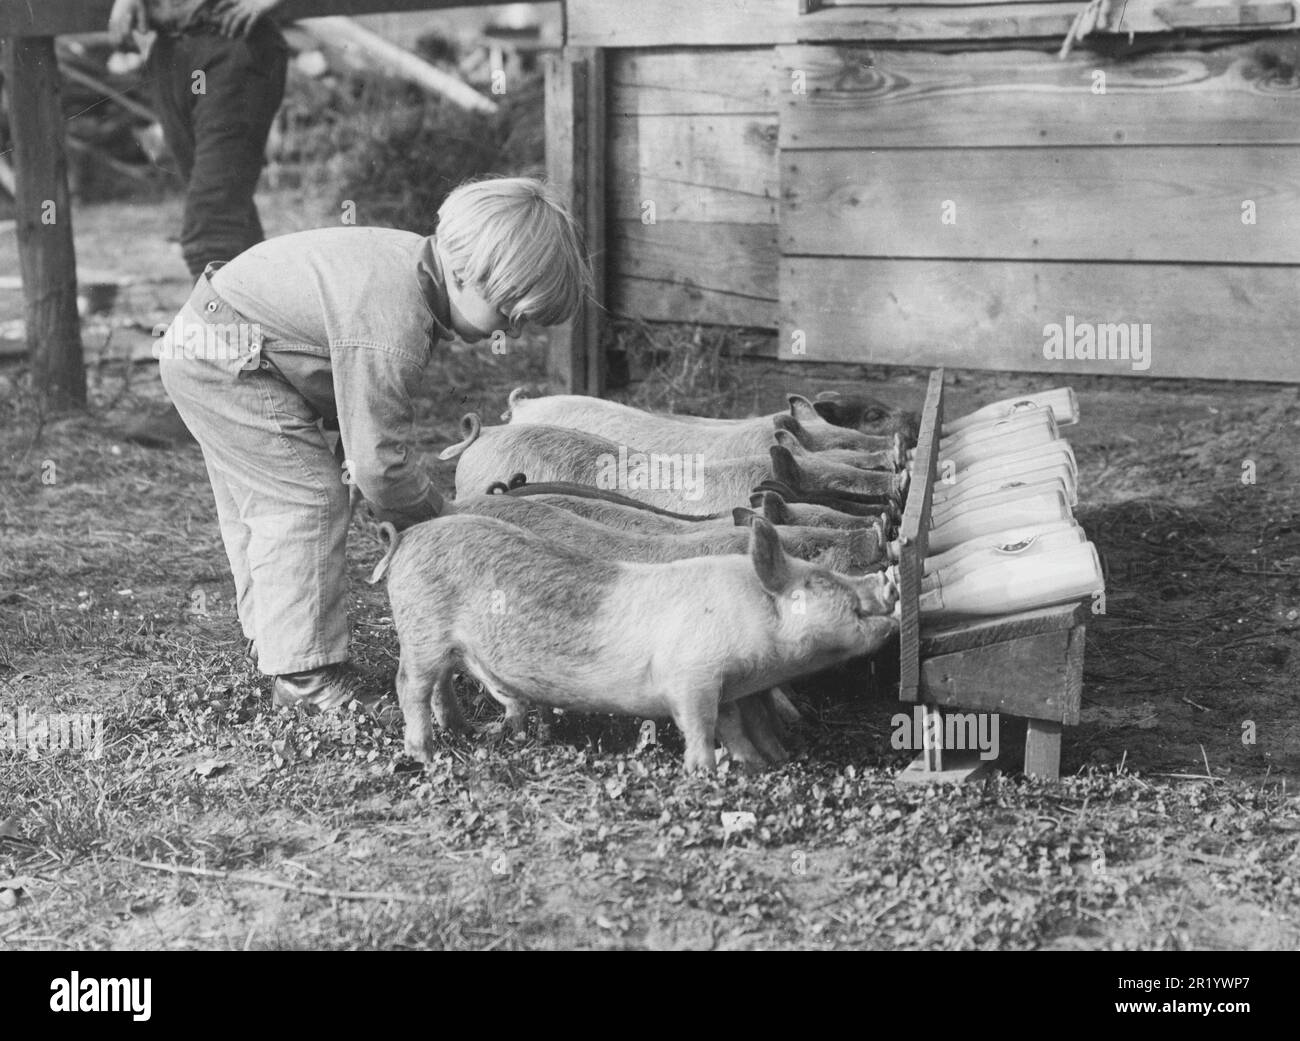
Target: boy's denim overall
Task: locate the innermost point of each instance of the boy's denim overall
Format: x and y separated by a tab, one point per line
253	390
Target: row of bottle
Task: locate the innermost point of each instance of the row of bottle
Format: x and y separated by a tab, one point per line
1002	535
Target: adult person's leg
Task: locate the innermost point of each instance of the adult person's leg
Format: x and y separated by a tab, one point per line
216	100
231	121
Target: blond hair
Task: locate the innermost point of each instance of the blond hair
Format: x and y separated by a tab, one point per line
513	239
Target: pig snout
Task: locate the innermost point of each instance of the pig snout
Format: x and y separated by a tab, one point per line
877	595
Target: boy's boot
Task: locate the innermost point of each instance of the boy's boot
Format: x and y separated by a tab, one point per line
325	689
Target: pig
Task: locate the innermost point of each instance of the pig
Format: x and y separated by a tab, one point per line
535	621
854	505
713	438
625	514
811	515
867	415
686	484
888	460
849	551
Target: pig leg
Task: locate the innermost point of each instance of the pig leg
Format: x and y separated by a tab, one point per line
696	714
762	727
779	702
446	709
731	732
516	721
420	685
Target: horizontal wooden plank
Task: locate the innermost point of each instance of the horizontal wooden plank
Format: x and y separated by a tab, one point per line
1178	204
711	168
860	97
1207	321
737	259
1226	14
729	23
696	81
951	637
1029	677
722	274
53	17
656	301
1174	15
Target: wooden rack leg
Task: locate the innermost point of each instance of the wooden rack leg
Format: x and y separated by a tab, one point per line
1043	749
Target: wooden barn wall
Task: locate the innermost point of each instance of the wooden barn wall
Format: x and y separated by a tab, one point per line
820	213
693	181
1061	203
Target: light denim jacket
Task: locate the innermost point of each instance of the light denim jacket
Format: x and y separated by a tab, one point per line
350	317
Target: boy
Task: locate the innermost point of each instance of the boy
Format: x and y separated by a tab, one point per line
337	324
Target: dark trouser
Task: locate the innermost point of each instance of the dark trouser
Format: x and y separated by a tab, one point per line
216	126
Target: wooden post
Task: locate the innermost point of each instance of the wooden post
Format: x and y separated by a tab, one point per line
43	214
575	166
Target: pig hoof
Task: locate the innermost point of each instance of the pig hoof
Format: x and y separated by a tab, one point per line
420	748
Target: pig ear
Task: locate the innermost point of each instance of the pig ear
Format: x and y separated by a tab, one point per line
783	422
828	410
828	395
769	505
770	562
784	468
743	516
803	410
787	440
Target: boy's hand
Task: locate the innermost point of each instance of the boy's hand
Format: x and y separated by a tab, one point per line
237	17
127	16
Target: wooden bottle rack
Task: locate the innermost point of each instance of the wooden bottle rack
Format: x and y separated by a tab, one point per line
1027	664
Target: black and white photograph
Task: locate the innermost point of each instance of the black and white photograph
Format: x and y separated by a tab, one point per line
675	475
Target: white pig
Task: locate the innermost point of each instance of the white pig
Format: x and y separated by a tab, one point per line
714	438
534	621
684	483
850	551
775	509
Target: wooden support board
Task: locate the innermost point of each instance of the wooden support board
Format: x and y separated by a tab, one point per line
575	166
913	536
55	17
1176	204
1208	321
857	97
43	220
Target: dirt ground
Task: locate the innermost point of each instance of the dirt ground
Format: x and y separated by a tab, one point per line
211	820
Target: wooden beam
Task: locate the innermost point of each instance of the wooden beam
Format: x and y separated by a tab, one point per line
671	83
1028	676
709	168
56	17
1208	321
1180	204
687	272
730	23
371	52
43	215
865	97
1043	750
575	165
913	537
981	632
